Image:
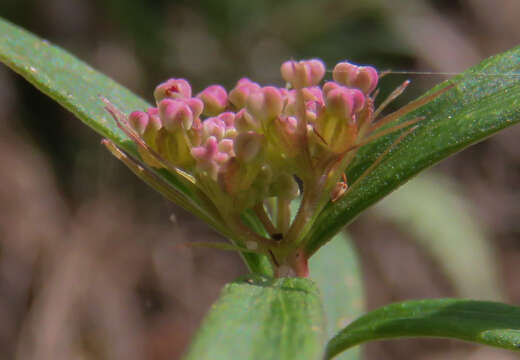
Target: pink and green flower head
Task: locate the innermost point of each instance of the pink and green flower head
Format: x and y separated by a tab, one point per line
256	149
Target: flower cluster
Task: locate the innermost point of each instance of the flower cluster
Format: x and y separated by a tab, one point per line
250	144
255	148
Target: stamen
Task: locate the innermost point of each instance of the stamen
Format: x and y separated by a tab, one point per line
264	218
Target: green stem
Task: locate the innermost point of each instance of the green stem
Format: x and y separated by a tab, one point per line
283	215
305	212
264	218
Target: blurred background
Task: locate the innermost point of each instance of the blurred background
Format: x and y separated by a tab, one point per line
89	266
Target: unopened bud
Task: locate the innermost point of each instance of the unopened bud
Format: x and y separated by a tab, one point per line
340	103
313	93
139	121
172	89
364	78
226	146
213	127
238	96
154	121
343	102
329	86
266	103
317	70
303	73
196	106
228	118
175	114
367	79
215	100
208	156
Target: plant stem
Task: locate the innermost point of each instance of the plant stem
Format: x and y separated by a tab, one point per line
283	215
264	218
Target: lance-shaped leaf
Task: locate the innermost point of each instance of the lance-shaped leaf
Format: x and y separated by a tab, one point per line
483	100
263	319
483	322
78	87
74	85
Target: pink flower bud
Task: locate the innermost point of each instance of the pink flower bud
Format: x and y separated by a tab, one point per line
340	103
212	155
317	71
175	114
226	146
173	89
147	125
139	121
215	100
367	79
206	152
359	100
154	121
313	98
303	73
196	106
238	96
213	127
247	145
265	104
328	86
313	93
343	102
344	73
364	78
228	118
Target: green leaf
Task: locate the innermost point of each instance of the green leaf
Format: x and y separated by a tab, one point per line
432	209
260	318
78	87
483	322
337	272
74	85
69	81
475	108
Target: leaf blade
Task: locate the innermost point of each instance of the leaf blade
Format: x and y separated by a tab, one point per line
488	323
45	66
475	108
263	319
